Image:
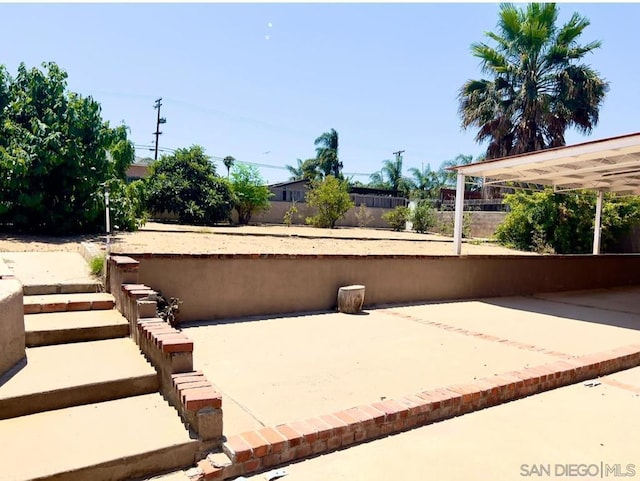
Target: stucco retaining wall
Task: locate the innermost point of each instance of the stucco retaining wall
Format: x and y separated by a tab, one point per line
12	337
217	286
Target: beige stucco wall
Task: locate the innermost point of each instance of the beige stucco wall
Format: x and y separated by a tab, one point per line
227	286
12	338
483	224
275	215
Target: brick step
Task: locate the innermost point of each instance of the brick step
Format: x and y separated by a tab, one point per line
64	327
108	441
64	375
68	302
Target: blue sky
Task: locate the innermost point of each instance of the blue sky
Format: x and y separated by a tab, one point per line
262	81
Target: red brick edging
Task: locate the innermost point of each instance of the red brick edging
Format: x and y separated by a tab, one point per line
253	451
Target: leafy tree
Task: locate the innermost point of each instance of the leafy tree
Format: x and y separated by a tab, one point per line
251	195
327	154
57	155
537	87
228	162
309	169
185	183
331	199
563	223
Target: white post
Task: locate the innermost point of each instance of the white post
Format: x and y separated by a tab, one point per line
457	226
598	224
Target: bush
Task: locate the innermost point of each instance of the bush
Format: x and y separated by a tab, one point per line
424	217
185	183
97	265
446	226
331	198
398	217
290	214
250	193
563	223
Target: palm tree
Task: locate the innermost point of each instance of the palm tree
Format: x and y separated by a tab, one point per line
426	183
308	169
327	153
537	88
228	162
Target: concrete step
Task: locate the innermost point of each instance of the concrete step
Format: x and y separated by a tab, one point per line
60	376
68	302
115	440
75	288
62	327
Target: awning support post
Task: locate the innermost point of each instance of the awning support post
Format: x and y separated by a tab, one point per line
457	226
597	228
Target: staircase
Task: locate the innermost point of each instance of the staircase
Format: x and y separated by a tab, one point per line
85	405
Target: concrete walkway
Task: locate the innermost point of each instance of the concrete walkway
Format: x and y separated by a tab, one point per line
598	427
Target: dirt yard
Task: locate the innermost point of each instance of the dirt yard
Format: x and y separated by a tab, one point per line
267	239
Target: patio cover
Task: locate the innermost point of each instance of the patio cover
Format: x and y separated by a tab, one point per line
608	165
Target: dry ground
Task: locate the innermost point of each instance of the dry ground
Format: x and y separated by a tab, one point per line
264	239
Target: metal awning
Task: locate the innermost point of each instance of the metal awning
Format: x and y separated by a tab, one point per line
608	165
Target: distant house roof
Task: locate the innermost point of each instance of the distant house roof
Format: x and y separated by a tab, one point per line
289	183
142	160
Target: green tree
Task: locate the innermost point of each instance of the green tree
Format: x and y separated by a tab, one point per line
425	183
331	199
327	154
185	183
251	195
398	217
57	155
537	86
228	162
309	169
564	223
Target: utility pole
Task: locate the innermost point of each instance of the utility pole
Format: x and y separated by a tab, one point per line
398	155
160	120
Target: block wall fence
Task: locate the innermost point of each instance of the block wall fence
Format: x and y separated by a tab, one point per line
220	286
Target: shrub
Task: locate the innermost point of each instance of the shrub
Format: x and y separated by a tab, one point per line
290	214
563	223
331	199
250	193
398	217
96	266
423	217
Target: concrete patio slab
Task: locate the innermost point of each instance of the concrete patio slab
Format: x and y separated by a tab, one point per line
556	326
623	299
287	368
597	427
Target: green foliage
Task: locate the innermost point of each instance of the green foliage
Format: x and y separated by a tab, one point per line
363	216
96	266
309	169
327	154
423	217
537	86
251	195
185	183
446	226
290	214
331	199
398	217
127	204
56	154
563	223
